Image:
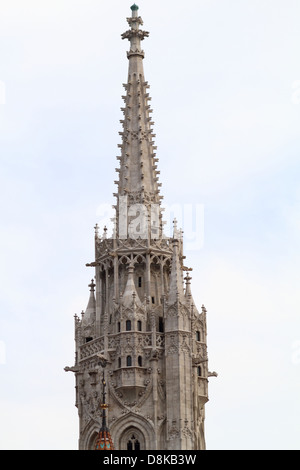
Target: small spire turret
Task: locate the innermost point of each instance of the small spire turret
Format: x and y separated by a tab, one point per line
176	278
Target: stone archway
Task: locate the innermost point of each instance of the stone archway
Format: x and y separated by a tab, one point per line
133	431
88	438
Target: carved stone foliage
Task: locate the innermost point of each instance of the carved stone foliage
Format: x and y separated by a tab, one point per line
90	407
172	345
178	342
173	430
178	310
186	431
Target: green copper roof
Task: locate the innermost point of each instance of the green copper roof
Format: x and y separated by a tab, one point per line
134	7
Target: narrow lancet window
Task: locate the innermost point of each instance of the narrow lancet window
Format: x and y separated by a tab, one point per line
128	361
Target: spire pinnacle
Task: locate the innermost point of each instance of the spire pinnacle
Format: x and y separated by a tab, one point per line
130	295
138	175
176	281
90	312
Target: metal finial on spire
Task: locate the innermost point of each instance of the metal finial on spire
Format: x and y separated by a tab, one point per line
135	35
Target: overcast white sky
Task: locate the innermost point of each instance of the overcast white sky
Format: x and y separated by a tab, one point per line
225	88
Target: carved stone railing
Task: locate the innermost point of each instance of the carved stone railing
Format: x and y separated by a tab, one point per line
106	246
91	348
135	338
160	340
120	340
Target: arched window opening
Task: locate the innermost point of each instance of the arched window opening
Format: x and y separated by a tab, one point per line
161	324
199	371
140	281
128	361
119	362
133	443
92	441
139	325
198	336
140	361
132	439
89	338
119	327
128	325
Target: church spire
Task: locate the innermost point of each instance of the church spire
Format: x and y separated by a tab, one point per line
138	175
139	322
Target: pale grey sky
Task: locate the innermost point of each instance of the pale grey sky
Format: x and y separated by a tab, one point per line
225	88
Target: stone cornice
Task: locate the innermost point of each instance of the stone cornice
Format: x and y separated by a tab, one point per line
135	33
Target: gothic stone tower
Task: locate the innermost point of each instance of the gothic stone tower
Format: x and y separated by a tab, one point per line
141	317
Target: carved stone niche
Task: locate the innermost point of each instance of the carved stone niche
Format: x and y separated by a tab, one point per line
93	377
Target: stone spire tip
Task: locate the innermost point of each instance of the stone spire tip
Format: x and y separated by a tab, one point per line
92	286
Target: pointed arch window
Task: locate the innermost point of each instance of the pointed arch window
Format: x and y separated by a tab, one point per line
198	335
129	361
140	361
132	439
139	325
199	371
128	325
133	443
